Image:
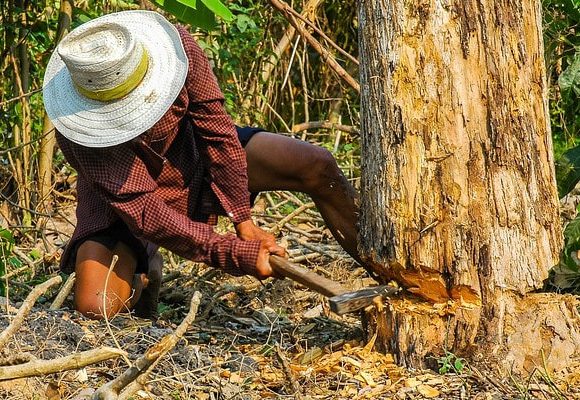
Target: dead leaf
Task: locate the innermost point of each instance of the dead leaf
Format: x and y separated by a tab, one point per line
52	391
368	379
428	391
314	312
411	382
311	355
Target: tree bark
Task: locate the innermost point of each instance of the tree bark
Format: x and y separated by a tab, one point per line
460	200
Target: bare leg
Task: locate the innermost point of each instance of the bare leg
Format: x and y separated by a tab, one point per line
92	266
277	162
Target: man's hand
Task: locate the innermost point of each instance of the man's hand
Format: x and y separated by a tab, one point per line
247	230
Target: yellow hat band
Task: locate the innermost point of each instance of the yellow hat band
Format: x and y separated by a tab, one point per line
124	88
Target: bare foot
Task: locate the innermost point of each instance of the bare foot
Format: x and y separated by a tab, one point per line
146	306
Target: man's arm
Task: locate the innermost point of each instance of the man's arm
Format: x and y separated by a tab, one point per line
222	150
123	181
226	159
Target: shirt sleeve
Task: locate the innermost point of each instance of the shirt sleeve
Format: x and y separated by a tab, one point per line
122	179
220	145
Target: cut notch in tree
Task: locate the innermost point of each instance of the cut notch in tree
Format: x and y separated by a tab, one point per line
458	176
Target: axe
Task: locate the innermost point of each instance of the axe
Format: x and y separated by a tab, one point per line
341	300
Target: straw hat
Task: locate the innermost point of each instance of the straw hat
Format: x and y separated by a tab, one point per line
114	77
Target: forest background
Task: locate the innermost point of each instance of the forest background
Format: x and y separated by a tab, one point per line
270	78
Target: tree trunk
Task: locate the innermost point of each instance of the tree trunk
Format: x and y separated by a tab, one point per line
460	199
48	139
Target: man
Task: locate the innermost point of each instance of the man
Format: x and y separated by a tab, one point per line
139	115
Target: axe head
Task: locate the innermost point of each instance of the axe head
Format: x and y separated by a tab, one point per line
359	299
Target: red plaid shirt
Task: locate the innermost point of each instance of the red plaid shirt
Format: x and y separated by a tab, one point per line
168	183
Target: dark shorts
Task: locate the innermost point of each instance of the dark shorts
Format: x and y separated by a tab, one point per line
119	232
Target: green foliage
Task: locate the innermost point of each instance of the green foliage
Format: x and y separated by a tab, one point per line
6	246
451	363
197	14
562	44
565	277
568	171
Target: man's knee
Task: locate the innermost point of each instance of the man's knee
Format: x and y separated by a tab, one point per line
322	172
91	306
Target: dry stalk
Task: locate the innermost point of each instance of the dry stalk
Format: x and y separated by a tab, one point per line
106	314
64	292
322	34
288	372
73	361
25	309
144	365
324	53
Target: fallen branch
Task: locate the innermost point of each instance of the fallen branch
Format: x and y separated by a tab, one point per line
324	53
143	366
310	246
15	272
325	125
25	309
64	292
294	213
73	361
15	359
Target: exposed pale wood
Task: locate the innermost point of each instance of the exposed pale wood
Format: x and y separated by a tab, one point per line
538	331
24	310
457	167
73	361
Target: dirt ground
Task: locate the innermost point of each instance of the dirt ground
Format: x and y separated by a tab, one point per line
253	340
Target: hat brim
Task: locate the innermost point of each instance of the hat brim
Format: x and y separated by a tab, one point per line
94	123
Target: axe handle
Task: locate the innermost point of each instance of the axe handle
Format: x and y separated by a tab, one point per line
304	276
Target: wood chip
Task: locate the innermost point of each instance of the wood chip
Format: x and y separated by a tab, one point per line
351	361
368	379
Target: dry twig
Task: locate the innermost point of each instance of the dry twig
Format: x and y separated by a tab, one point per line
64	292
294	213
143	366
73	361
25	309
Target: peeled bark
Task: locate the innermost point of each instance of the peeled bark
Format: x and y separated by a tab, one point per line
460	200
